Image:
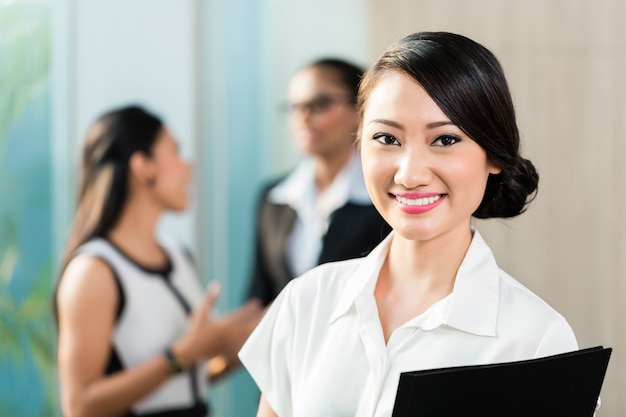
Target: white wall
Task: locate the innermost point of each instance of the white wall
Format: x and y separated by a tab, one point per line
297	32
140	51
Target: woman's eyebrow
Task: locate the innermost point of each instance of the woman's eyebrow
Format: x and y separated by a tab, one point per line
432	125
387	122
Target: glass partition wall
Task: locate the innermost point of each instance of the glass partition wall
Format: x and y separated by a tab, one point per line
27	380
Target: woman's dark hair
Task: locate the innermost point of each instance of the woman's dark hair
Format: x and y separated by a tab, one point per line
466	81
106	152
348	74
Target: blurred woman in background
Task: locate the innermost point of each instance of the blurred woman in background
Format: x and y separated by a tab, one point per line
320	211
134	323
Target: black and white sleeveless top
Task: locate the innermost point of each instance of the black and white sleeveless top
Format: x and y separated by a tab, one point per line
153	310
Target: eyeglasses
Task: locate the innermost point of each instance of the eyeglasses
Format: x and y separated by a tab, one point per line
318	104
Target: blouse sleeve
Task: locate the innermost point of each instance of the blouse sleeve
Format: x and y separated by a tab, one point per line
267	354
558	339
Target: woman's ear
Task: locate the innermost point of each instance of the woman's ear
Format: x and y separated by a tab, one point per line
493	169
141	169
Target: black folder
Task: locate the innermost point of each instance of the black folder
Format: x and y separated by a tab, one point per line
564	385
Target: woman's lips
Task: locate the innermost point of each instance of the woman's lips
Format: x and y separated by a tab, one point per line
416	203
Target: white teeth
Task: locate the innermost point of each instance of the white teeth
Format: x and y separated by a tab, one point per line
417	201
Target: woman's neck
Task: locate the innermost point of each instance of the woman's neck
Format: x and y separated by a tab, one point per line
327	167
436	260
135	233
416	275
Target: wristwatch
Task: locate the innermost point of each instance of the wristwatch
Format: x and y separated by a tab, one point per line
174	364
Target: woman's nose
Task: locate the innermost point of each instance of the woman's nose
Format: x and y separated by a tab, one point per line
414	169
301	115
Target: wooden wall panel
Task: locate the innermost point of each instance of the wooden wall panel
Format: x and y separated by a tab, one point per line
566	65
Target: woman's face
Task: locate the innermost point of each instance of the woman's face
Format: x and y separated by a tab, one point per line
323	120
172	174
424	175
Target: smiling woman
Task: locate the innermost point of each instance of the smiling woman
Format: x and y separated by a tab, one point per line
415	160
439	145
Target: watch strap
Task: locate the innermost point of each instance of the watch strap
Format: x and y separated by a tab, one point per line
174	364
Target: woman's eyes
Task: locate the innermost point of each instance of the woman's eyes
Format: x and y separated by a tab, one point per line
443	140
386	139
446	140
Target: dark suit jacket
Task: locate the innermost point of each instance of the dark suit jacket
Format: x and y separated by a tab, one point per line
354	230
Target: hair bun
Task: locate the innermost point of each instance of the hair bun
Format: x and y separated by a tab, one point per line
509	193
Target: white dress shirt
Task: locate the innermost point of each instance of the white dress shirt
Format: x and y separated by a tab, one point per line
320	350
314	210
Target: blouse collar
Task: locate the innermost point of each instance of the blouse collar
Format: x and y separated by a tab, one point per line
299	186
471	307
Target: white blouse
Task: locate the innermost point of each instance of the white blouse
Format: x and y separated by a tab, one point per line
314	210
320	350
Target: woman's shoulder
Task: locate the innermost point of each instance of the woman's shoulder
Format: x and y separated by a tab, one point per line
86	274
326	281
87	264
91	258
100	249
514	295
523	312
